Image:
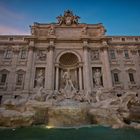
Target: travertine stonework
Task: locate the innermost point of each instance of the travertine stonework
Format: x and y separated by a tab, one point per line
68	57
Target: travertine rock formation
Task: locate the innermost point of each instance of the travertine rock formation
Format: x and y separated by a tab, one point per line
116	110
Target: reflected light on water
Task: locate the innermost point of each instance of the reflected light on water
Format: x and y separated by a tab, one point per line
49	126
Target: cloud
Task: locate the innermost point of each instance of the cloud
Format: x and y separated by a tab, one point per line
6	13
11	22
8	30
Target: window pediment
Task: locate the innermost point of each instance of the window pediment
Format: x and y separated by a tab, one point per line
116	70
20	71
131	70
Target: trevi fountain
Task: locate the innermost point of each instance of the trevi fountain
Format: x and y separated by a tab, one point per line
69	75
68	107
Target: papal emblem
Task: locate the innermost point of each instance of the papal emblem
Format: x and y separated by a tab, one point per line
68	20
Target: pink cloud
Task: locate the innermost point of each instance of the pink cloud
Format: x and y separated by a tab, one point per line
9	24
7	13
7	30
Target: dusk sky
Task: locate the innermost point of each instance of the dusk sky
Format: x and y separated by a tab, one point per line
120	17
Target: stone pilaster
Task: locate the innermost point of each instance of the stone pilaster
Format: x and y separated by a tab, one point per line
107	78
12	76
123	75
29	67
137	66
87	80
50	68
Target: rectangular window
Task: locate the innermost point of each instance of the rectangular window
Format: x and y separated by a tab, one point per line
0	100
23	54
126	54
112	54
131	78
19	79
123	39
8	54
3	79
11	39
139	52
116	78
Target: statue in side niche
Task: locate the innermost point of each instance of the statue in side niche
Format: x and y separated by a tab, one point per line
40	79
97	77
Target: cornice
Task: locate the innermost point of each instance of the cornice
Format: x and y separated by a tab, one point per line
124	43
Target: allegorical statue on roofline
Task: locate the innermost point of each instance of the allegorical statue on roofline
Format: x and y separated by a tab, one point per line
68	18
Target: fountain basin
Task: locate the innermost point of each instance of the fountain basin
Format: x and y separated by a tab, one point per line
67	116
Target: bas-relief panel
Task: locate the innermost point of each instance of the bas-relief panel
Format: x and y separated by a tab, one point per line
95	55
41	55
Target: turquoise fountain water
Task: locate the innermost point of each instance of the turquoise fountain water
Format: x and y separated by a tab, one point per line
84	133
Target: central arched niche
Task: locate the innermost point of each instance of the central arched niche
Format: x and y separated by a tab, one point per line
68	59
69	62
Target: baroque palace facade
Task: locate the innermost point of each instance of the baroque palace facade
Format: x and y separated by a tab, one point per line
68	56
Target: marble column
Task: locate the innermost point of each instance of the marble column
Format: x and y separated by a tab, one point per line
57	78
107	78
46	70
80	78
12	76
87	80
50	68
29	67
